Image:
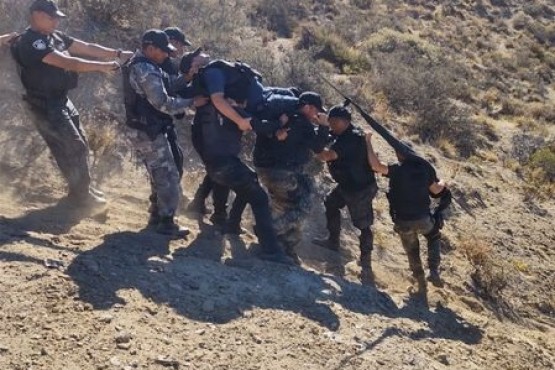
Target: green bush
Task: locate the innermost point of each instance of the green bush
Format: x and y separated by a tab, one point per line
544	159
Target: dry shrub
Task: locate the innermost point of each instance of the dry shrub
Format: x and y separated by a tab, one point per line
429	91
388	40
491	275
524	145
279	16
108	12
330	46
363	4
106	145
541	111
540	171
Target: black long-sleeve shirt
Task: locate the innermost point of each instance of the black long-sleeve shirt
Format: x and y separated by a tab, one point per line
295	151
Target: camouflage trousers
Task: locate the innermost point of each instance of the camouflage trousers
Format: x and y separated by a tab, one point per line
409	231
290	200
58	123
160	164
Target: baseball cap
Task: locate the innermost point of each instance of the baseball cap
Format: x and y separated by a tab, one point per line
312	98
47	6
340	111
187	60
159	39
175	33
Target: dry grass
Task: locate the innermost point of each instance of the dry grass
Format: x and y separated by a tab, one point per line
491	275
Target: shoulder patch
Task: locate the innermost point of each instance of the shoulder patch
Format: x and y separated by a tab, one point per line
39	44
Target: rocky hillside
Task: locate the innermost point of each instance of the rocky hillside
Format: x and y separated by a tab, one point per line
469	82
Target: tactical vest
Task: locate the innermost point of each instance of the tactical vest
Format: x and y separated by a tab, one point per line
236	89
140	114
214	135
352	173
408	194
43	80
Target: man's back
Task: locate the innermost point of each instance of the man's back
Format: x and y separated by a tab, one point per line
409	184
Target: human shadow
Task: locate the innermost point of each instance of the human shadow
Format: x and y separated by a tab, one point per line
204	289
442	323
200	289
18	257
55	219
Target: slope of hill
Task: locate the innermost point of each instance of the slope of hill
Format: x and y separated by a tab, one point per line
469	82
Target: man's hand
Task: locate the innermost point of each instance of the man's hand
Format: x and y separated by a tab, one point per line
245	124
125	55
7	38
282	134
368	137
283	119
109	67
322	119
200	101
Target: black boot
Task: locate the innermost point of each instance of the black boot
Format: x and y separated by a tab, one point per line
153	220
167	226
333	224
366	241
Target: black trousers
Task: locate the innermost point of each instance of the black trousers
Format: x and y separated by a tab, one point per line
231	172
58	123
359	204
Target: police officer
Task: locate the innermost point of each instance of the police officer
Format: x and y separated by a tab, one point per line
222	123
150	119
348	164
48	70
189	67
412	181
183	89
280	161
265	103
180	43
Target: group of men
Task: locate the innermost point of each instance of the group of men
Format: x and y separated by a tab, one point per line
162	81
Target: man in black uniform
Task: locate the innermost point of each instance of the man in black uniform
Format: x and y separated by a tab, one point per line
222	125
180	43
264	103
280	161
412	182
48	70
356	185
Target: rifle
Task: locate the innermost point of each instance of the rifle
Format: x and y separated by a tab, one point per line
388	136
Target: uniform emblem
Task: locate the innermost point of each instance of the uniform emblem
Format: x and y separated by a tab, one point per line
39	44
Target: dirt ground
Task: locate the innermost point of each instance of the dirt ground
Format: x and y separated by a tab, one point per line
99	291
81	290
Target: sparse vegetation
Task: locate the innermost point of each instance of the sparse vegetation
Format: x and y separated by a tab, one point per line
491	273
451	74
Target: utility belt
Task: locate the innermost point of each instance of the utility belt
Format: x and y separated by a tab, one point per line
41	100
153	129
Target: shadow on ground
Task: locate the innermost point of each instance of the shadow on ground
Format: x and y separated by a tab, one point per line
193	281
